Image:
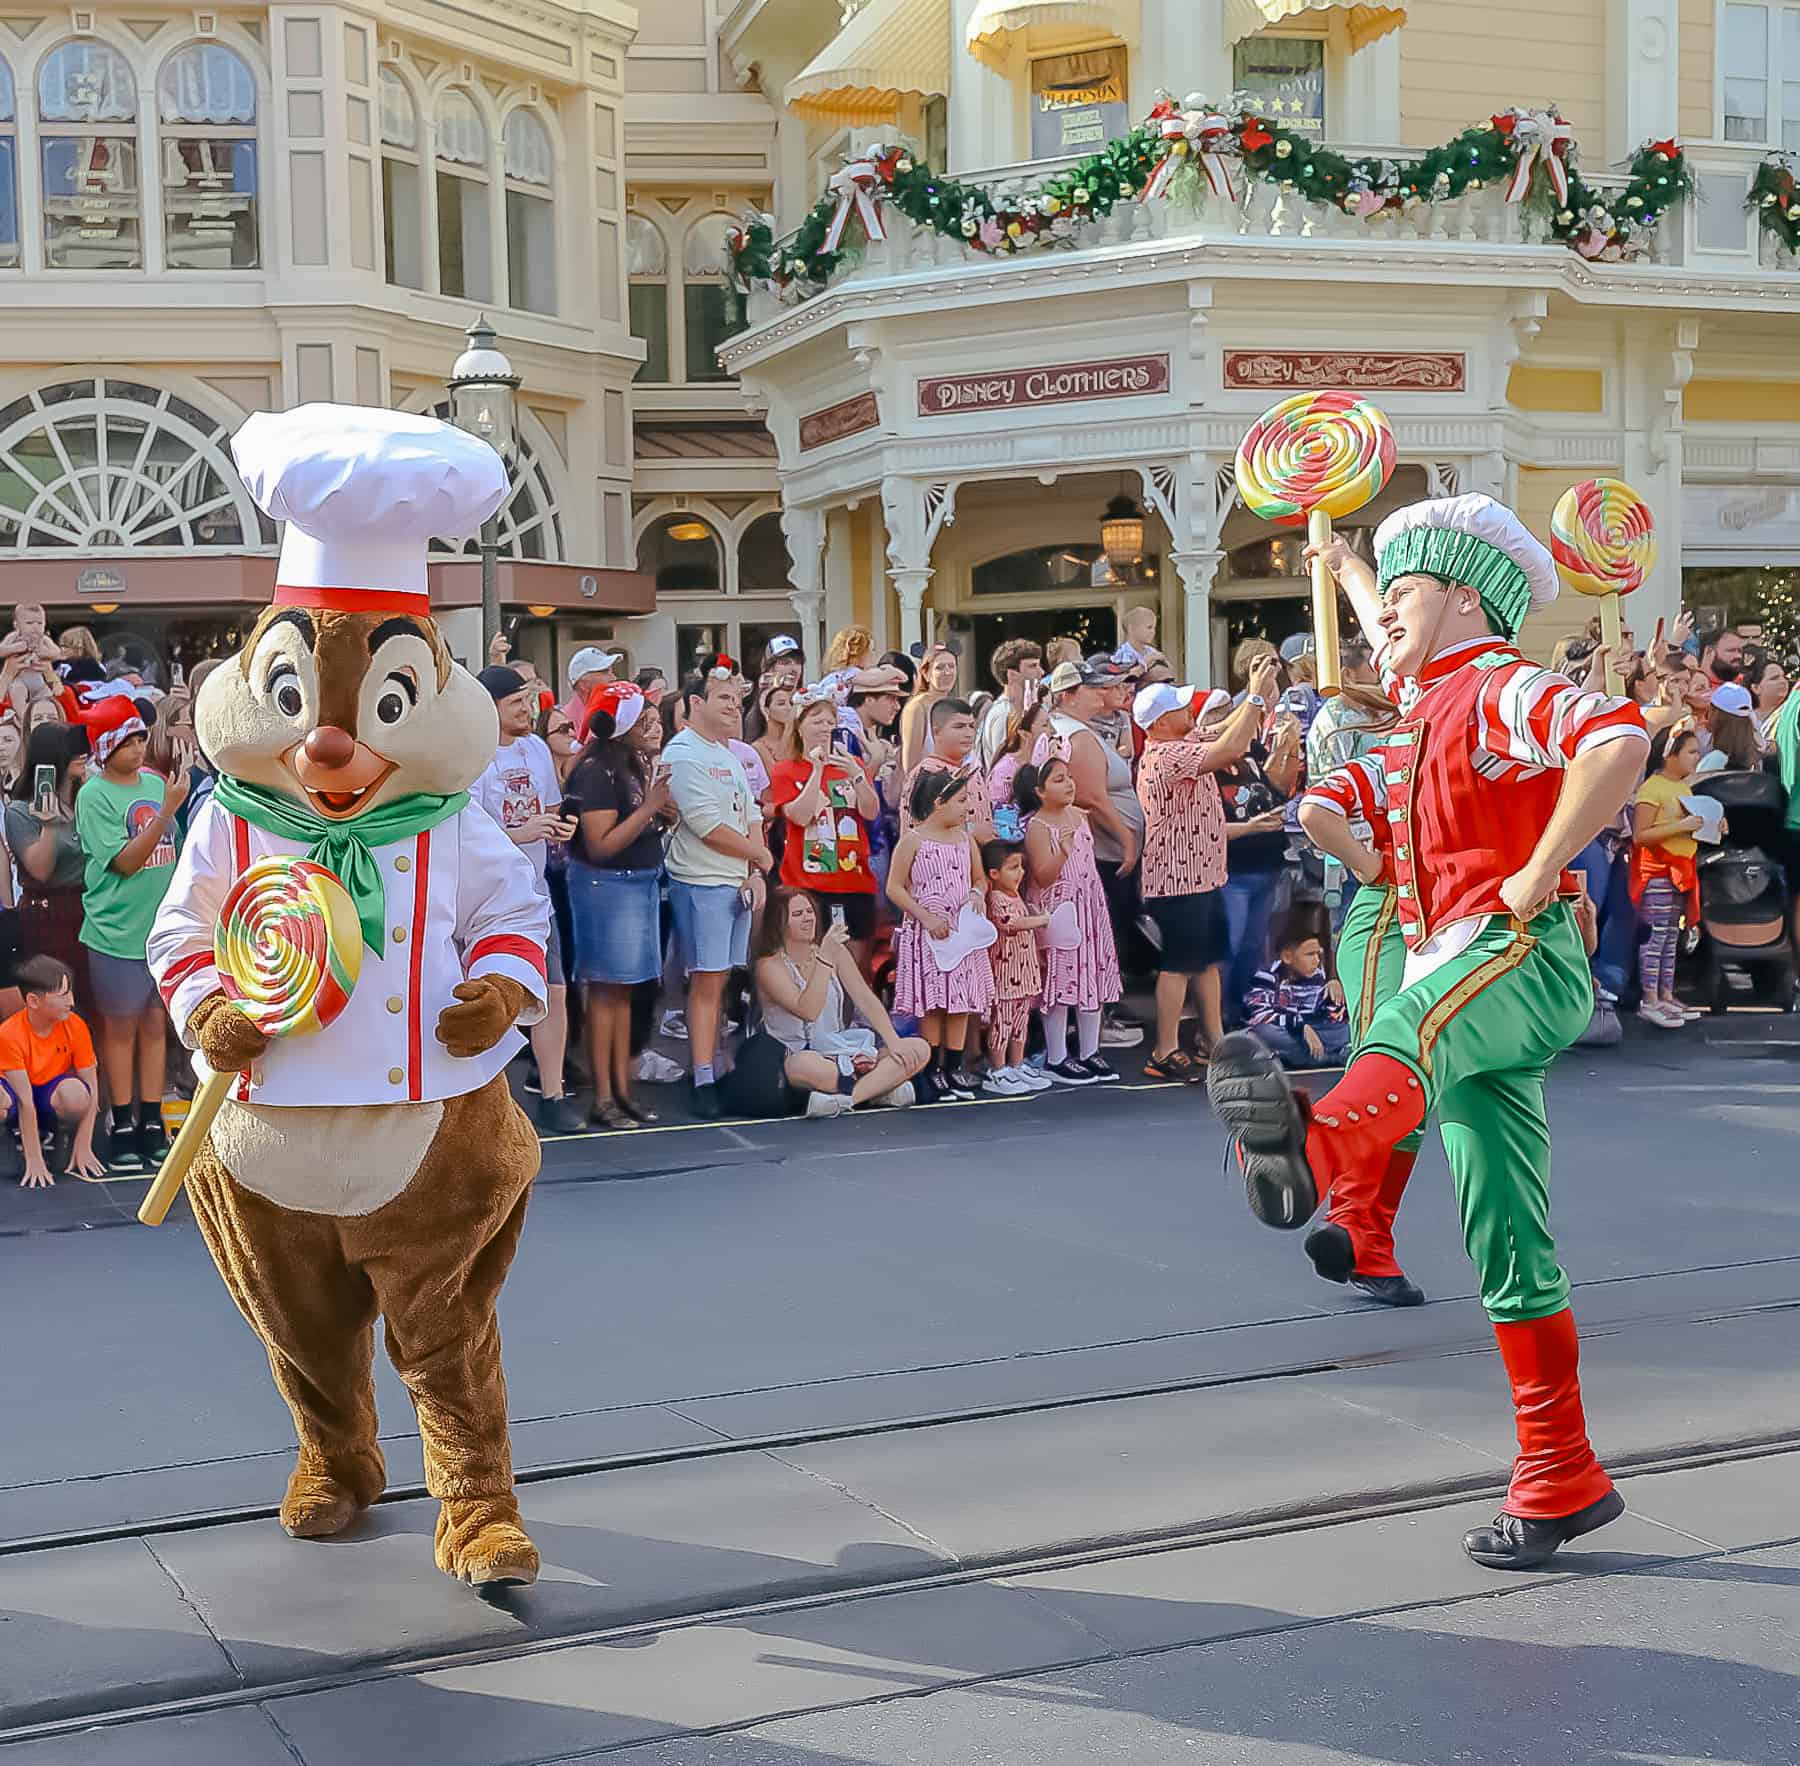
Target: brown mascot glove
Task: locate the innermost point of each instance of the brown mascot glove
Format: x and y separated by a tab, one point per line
490	1007
228	1040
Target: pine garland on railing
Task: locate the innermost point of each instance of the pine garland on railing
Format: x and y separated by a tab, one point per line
1776	200
1190	151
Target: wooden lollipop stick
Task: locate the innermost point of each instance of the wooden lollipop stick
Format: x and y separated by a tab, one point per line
1324	608
186	1148
1612	635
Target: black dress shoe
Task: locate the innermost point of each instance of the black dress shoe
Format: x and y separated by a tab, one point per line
1251	1095
1332	1253
559	1116
1389	1290
706	1104
1511	1542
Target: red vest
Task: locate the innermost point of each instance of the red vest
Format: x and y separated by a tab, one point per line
1457	835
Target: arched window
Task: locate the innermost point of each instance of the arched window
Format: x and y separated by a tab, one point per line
763	558
109	465
530	214
647	269
87	127
682	552
402	213
710	317
206	103
465	255
9	171
530	520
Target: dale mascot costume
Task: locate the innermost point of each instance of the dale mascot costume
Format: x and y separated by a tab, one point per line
379	1166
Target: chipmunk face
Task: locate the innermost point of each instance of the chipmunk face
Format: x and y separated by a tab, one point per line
346	711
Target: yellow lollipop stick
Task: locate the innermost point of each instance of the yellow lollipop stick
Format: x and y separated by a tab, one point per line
289	949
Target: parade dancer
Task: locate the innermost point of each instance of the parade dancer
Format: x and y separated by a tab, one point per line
1498	773
1344	815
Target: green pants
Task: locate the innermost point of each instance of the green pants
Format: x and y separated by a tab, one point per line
1480	1033
1371	957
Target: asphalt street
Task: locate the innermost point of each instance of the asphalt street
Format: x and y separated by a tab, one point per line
891	1372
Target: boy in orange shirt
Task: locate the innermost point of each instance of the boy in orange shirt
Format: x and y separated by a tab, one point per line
47	1066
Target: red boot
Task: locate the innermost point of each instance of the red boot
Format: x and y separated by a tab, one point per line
1559	1489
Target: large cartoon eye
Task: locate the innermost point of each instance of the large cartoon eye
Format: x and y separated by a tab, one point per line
284	689
399	698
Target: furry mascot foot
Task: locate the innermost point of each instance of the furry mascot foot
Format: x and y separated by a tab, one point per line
481	1541
322	1501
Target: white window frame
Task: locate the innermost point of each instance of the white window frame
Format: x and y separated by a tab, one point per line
9	131
482	174
420	158
167	133
664	282
1774	78
139	129
544	193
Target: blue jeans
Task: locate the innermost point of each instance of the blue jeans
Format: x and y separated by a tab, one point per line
1248	902
1609	888
1290	1046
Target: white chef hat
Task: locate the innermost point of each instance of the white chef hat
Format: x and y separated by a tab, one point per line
363	491
1474	541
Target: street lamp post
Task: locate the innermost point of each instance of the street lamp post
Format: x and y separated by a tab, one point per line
483	388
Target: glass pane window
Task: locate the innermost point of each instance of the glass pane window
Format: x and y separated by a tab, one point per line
86	82
1079	102
650	321
1790	78
1744	63
209	203
463	260
531	251
711	319
399	115
206	83
400	222
91	219
9	172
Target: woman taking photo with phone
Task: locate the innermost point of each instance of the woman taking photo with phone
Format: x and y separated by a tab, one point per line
828	802
46	851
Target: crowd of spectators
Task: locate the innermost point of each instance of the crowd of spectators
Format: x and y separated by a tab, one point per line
876	889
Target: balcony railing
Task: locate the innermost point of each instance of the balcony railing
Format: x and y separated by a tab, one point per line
1712	231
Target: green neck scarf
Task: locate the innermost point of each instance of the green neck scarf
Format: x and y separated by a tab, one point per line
342	847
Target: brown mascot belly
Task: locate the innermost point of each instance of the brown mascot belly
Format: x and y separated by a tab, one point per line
430	1261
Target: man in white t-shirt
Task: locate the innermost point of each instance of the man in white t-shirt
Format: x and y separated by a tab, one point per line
522	792
1018	669
716	861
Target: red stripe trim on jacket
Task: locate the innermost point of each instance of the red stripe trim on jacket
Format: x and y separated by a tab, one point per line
415	1032
178	971
353	600
506	944
240	855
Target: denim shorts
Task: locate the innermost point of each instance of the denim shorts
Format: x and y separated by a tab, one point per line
123	987
617	917
712	926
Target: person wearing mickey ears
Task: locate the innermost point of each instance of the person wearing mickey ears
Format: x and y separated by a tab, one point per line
717	861
125	818
522	792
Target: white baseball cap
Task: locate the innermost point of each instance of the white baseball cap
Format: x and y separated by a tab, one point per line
782	645
1161	699
1731	698
593	660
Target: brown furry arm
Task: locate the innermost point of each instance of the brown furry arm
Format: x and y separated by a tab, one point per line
490	1007
228	1040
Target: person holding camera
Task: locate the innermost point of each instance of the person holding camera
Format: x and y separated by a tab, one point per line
829	802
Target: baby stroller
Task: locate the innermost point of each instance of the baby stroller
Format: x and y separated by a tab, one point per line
1743	894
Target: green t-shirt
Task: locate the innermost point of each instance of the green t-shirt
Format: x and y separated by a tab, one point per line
117	911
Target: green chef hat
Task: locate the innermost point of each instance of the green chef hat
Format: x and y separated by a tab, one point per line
1474	541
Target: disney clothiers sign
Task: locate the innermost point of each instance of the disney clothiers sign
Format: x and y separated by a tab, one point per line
1124	377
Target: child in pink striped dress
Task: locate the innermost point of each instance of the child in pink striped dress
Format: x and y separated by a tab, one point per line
936	873
1059	856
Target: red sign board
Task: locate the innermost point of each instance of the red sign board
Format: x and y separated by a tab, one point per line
1353	370
1124	377
819	429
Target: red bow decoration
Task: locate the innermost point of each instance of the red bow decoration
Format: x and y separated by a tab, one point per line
1671	148
1165	107
1255	137
889	163
1503	124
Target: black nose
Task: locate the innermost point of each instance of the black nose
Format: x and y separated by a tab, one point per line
330	747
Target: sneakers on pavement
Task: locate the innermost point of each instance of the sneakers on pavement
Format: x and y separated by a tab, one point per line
1003	1082
674	1026
706	1103
1101	1071
961	1081
1120	1033
1660	1016
1069	1072
822	1104
654	1068
1034	1079
902	1097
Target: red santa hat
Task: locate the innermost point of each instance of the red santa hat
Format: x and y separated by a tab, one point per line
363	493
110	720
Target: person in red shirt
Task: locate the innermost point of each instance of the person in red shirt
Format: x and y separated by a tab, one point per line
48	1067
829	800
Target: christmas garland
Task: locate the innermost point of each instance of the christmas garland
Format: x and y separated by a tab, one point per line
1776	201
1190	151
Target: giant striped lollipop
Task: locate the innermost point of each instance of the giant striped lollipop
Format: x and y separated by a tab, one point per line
1603	538
289	949
1312	457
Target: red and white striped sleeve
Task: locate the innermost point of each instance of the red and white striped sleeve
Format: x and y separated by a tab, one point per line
1353	791
180	946
1533	717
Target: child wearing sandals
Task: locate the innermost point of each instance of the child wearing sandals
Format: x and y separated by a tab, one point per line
1059	854
936	873
1018	974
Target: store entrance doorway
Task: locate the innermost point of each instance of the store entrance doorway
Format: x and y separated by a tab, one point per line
1093	628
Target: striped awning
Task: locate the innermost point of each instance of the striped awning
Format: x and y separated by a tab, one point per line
995	22
1244	18
890	50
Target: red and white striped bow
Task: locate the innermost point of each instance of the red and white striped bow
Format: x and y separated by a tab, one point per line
1538	134
855	187
1207	136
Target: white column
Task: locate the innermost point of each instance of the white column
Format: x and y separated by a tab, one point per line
1642	38
914	514
804	531
910	586
982	104
1197	572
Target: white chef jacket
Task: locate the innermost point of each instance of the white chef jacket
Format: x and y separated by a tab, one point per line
461	902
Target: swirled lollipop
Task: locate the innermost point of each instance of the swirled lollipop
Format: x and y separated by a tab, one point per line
1314	456
1325	451
1603	538
289	949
